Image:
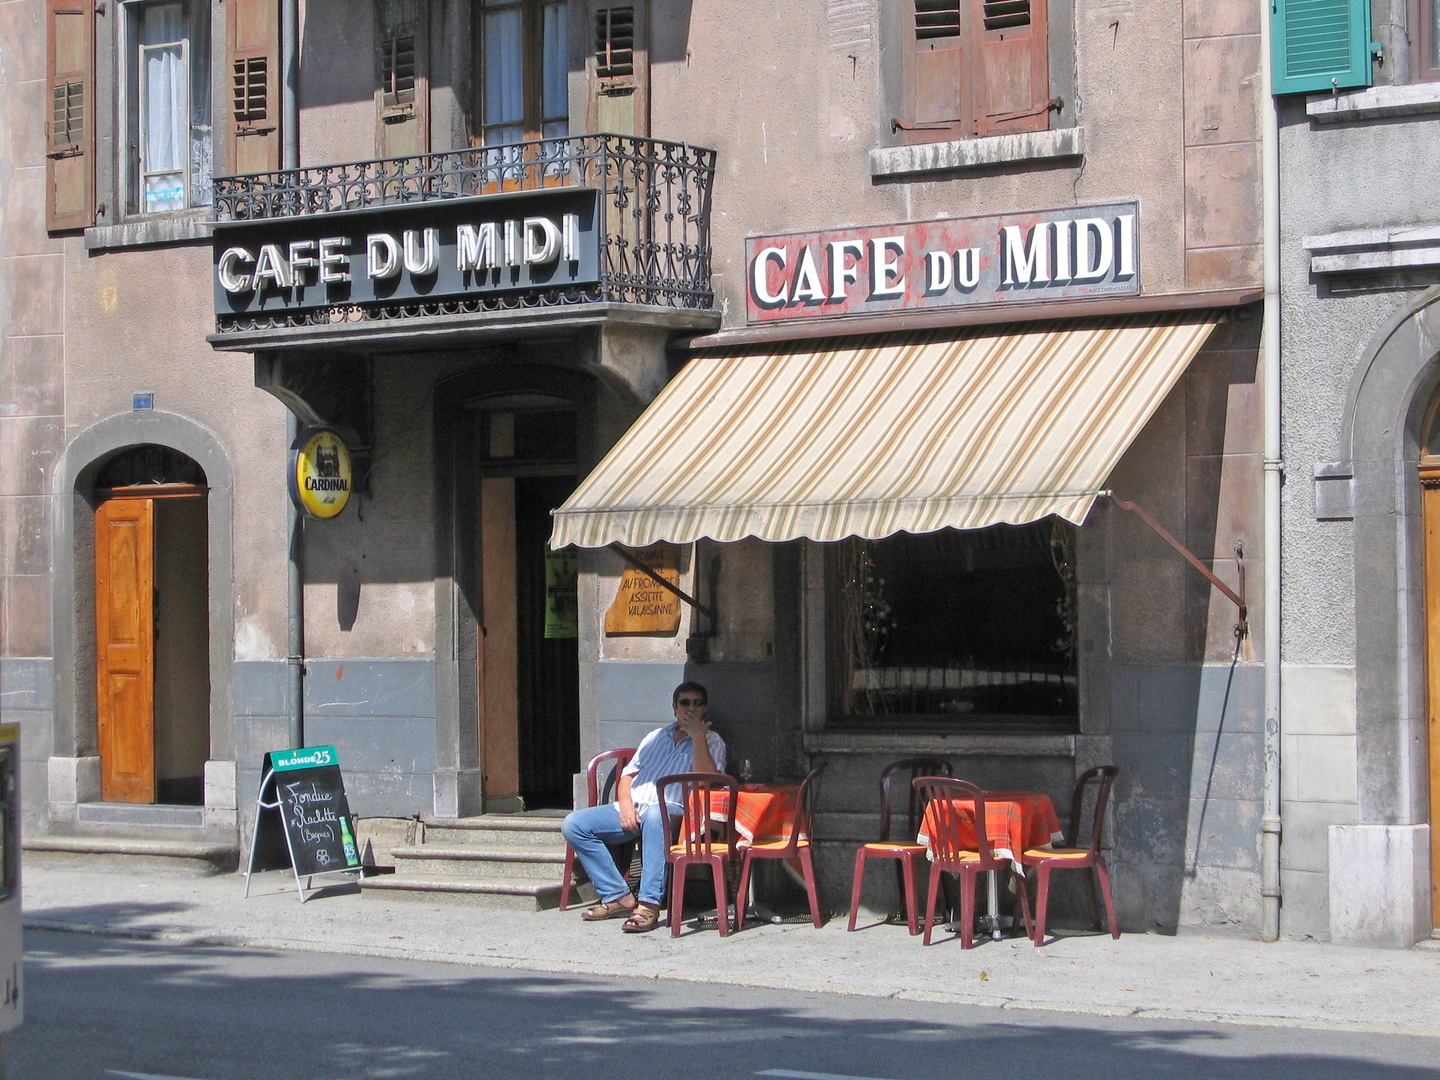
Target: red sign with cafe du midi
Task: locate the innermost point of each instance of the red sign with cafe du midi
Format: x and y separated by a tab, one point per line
948	263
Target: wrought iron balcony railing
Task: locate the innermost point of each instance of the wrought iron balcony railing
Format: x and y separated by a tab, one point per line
654	209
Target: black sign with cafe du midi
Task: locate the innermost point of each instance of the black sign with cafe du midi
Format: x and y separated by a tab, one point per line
302	820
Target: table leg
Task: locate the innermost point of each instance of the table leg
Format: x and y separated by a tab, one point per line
993	886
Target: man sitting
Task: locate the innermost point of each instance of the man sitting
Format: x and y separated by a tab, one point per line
687	745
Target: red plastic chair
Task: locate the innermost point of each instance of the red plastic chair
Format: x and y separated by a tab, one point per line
943	820
697	843
802	835
623	852
1074	857
905	851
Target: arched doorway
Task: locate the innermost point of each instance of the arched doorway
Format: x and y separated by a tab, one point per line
152	627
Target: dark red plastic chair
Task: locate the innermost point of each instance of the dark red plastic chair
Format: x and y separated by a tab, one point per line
802	835
1074	857
623	852
697	844
905	851
943	819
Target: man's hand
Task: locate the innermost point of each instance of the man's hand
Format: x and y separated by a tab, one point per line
629	816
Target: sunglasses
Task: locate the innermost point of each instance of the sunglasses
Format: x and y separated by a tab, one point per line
684	701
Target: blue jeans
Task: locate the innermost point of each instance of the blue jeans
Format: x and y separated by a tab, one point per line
590	830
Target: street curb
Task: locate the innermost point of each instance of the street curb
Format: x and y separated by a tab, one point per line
577	967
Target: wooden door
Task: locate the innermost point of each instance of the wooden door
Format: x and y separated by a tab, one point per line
125	648
499	655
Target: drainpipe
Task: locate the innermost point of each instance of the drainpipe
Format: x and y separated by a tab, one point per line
1274	471
294	580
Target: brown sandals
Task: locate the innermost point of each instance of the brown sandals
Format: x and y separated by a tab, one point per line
644	918
602	911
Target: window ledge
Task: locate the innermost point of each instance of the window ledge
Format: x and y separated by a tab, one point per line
149	232
1360	250
1417	99
947	157
934	742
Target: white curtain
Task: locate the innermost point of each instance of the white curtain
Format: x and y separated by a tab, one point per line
164	149
504	76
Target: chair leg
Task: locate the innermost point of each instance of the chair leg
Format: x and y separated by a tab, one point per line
742	891
677	895
1103	872
1090	894
1021	886
1042	901
967	909
907	895
569	872
907	903
808	865
722	907
930	902
855	888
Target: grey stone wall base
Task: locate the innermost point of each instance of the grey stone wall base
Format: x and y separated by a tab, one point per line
220	785
1379	885
457	792
73	780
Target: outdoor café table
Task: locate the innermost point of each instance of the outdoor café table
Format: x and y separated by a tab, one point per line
1014	821
763	813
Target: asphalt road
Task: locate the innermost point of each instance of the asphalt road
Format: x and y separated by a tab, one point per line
98	1009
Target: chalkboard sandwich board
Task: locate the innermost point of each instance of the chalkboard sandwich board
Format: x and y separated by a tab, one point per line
301	817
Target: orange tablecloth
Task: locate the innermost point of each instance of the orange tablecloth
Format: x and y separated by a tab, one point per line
1014	821
763	813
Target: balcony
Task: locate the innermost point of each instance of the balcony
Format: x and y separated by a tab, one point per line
643	236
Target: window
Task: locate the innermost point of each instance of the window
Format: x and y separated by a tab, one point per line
524	77
168	113
962	628
1425	18
1319	45
976	68
252	29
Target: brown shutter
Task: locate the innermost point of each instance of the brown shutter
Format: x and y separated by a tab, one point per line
619	67
1012	66
252	53
940	97
403	96
70	122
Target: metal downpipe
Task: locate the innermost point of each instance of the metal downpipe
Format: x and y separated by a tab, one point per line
1274	472
294	525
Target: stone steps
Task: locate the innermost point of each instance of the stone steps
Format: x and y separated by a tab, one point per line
512	861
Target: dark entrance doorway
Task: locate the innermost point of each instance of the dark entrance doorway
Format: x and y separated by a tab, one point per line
529	672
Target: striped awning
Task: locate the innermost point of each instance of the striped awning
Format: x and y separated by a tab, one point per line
902	433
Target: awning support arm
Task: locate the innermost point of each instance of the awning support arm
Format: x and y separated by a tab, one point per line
624	553
1242	628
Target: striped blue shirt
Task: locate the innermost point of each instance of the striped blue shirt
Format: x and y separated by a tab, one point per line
659	755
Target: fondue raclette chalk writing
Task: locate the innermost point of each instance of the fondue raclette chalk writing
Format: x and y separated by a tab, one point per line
302	819
419	252
947	263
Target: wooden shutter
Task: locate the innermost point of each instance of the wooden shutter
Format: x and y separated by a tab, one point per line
619	68
939	92
1319	45
402	75
252	53
70	120
1012	66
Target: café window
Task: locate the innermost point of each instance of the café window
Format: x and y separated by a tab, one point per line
1426	39
975	68
971	629
169	139
523	79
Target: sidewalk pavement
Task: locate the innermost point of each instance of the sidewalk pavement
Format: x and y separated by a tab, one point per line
1187	977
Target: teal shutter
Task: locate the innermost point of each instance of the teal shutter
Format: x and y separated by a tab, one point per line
1319	45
